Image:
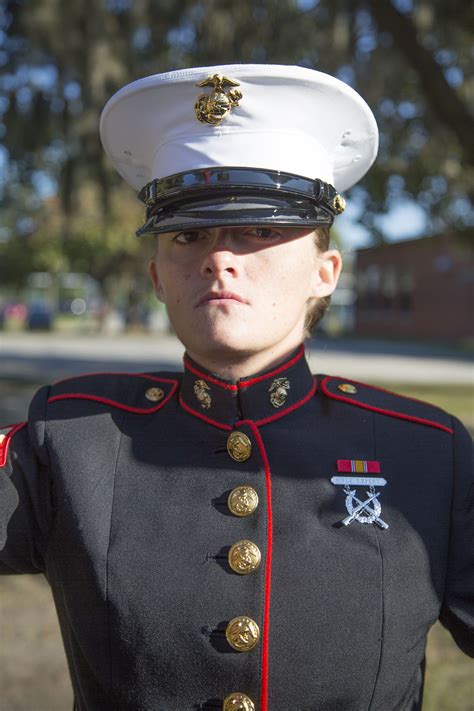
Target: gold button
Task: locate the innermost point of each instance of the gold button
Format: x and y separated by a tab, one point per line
347	388
339	204
239	446
154	394
242	633
238	702
242	501
244	557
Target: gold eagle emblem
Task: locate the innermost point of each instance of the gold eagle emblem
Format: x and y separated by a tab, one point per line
201	389
278	391
213	108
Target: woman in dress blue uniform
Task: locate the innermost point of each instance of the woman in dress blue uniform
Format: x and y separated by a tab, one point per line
242	536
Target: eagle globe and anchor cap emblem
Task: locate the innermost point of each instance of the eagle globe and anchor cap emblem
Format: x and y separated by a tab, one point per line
213	108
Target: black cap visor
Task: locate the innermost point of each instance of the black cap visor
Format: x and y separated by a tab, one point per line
236	196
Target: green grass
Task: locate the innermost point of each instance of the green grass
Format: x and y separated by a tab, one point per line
449	684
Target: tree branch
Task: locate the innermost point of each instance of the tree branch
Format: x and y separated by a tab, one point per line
442	98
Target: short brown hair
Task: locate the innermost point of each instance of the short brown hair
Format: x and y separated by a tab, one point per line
317	307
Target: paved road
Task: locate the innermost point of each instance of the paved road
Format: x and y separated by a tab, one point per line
44	358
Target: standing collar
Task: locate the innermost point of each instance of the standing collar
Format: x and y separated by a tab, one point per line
262	398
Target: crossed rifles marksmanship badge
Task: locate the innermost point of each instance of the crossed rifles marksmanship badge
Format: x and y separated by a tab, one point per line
364	511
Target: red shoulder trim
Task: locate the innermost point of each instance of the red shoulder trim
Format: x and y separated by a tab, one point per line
169	390
380	400
6	439
109	373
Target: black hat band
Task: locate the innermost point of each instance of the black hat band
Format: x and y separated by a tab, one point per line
233	196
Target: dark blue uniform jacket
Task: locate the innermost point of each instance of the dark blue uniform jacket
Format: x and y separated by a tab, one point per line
117	490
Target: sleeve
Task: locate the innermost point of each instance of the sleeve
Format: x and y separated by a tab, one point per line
457	612
26	507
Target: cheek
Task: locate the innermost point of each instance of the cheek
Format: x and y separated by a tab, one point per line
173	283
292	280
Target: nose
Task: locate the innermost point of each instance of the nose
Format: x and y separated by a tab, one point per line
220	258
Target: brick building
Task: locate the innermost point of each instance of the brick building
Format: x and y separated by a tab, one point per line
417	289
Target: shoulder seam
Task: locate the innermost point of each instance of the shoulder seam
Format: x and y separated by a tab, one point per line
383	411
147	376
119	405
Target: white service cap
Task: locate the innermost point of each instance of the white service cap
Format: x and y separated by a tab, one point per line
193	125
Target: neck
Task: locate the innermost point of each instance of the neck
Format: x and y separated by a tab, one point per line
234	367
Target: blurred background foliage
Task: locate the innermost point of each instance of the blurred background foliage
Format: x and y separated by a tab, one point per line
65	209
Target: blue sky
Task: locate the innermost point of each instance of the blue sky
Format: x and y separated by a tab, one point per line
405	221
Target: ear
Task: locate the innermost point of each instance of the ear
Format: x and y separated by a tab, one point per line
327	270
155	279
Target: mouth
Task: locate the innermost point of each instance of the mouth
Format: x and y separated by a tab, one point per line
217	297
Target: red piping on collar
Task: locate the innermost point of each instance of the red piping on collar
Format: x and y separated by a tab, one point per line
295	406
280	369
6	441
203	417
373	408
263	421
119	405
268	566
209	378
250	381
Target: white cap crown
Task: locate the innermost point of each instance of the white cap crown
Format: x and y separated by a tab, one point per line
278	118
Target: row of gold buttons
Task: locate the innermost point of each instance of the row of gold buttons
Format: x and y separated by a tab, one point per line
242	632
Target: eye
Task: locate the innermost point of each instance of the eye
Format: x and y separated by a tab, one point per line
188	237
265	234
